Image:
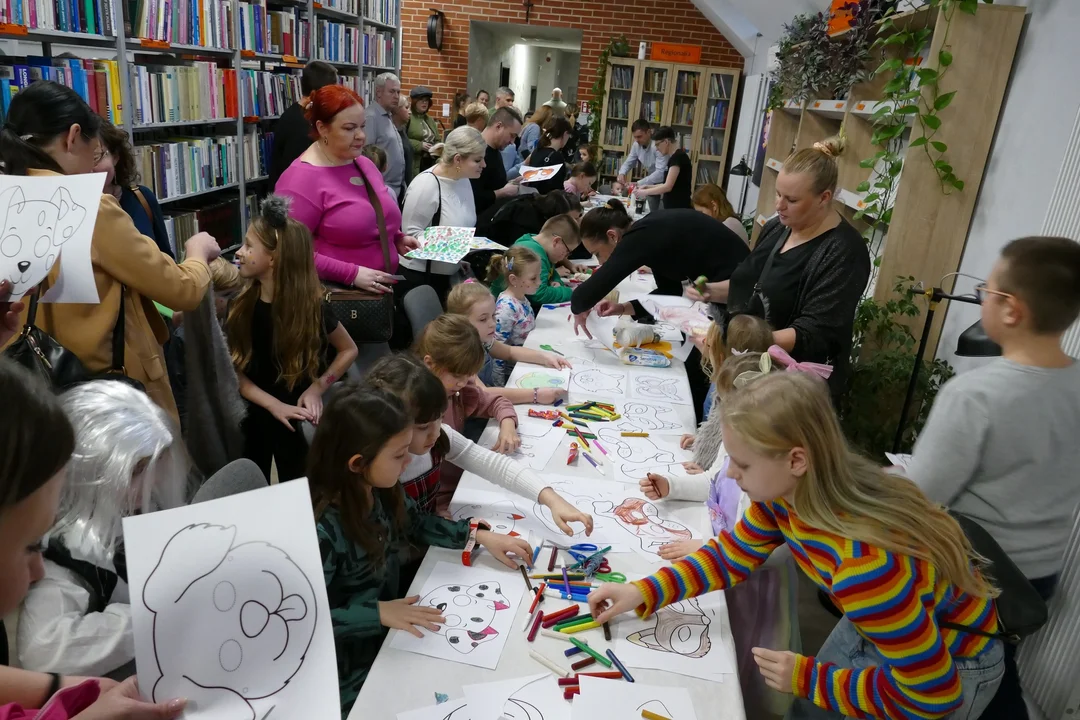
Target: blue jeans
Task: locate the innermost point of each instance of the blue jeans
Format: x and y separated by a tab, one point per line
845	647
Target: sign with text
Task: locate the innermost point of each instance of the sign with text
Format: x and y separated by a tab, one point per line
672	52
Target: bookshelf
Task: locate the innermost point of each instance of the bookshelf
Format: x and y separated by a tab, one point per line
695	100
197	84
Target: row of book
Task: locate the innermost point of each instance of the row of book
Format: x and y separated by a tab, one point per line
687	82
720	87
266	94
338	42
614	134
352	7
178	93
655	80
652	109
379	48
220	218
704	174
618	108
384	11
257	146
96	81
87	16
289	33
206	23
712	144
609	164
716	117
182	166
622	77
684	112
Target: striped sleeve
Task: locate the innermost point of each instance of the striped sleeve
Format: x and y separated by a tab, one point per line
723	562
880	595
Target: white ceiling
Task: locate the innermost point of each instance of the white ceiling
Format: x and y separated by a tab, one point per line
741	21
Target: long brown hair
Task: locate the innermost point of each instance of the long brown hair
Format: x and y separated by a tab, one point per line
421	393
297	306
713	197
358	420
116	141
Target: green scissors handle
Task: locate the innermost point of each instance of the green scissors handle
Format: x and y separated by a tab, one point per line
615	577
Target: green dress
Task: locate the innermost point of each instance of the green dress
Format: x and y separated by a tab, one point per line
355	585
421	129
545	293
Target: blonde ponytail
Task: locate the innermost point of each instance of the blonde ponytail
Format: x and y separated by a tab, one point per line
818	161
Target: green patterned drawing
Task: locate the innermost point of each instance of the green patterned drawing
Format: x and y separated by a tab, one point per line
538	380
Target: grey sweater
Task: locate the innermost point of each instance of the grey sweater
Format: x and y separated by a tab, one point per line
1002	446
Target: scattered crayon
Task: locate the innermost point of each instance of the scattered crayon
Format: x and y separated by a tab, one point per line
552	559
632	434
620	666
525	576
580	627
607	675
569	681
584	663
536	626
557	636
570	692
607	632
585	647
549	664
650	715
571	651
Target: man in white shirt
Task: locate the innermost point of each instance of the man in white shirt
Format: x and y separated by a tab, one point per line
382	132
643	152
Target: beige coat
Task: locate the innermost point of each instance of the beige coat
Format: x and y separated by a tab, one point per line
123	257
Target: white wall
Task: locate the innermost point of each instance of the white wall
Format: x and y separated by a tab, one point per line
486	51
1037	118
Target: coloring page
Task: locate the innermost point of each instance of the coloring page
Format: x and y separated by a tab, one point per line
479	605
638	415
641	519
537	697
229	607
450	710
685	638
583	494
506	513
596	382
44	218
633	458
443	243
539	440
602	698
532	377
531	174
669	387
602	330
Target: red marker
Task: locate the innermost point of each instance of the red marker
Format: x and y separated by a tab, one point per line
536	626
536	599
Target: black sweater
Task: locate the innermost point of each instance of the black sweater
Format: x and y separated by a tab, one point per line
491	179
291	139
676	244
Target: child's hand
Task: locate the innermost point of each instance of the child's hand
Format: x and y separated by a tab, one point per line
547	396
655	487
680	549
503	547
563	513
692	468
613	599
555	360
311	401
405	614
508	441
686	441
777	667
285	414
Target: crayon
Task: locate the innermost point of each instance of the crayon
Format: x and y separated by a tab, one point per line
635	434
574	431
557	636
555	618
620	666
570	692
573	621
583	440
552	559
571	651
525	576
580	627
607	632
549	664
584	663
650	715
599	658
607	675
536	626
570	681
599	447
536	553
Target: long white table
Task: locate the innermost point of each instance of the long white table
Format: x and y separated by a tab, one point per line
401	681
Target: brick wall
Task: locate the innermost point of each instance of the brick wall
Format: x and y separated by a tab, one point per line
446	72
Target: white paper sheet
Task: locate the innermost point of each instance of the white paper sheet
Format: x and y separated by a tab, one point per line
650	417
660	386
506	514
602	698
229	607
533	376
536	697
901	460
591	383
602	330
685	638
539	440
46	218
480	607
632	458
531	174
450	710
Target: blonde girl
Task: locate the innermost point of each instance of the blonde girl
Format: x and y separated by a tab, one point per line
518	269
474	301
280	332
897	564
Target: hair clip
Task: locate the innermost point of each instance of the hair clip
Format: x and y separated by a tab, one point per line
509	264
469	280
764	368
740	352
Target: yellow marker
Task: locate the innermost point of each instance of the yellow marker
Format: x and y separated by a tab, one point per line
580	627
635	434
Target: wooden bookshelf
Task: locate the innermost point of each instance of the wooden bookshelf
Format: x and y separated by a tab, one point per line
928	231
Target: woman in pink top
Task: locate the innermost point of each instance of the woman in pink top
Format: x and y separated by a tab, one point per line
326	184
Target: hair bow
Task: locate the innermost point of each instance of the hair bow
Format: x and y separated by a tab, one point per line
469	280
764	368
781	356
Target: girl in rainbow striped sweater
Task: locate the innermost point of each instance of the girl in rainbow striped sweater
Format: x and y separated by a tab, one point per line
898	565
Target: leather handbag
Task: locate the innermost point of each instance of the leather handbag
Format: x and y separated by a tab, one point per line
42	355
367	317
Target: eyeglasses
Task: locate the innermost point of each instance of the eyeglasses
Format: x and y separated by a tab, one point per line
981	291
100	155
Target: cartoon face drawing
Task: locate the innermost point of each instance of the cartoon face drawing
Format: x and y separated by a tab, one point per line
643	416
540	380
661	388
32	233
680	628
469	612
595	380
641	518
503	516
251	603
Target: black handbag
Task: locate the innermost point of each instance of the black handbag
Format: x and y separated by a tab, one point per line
1021	610
42	355
367	317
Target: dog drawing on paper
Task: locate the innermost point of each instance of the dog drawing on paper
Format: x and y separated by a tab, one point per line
680	628
469	612
642	520
503	516
32	233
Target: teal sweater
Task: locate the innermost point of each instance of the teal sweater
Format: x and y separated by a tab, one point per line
545	293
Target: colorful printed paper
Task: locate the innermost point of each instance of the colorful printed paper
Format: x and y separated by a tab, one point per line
444	244
531	174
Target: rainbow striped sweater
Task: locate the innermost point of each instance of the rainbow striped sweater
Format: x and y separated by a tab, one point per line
895	602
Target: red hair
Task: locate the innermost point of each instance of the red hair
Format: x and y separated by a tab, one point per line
326	102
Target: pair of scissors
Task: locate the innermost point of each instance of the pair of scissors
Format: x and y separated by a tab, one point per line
614	577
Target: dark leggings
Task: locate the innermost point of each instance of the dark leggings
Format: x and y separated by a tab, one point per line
266	440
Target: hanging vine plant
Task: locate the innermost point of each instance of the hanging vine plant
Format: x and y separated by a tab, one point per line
616	47
801	54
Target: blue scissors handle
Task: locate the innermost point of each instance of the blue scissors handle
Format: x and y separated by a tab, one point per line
584	547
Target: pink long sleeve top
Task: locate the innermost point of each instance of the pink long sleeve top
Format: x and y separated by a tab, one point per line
340	217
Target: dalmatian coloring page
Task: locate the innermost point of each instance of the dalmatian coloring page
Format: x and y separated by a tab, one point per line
660	387
502	516
479	605
229	607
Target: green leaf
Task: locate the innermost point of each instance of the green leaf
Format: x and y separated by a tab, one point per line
877	262
890	65
860	214
969	6
918	142
895	168
943	101
895	85
944	58
940	146
958	184
909	96
927	75
870	199
867	163
943	166
863	186
886	217
907	110
932	121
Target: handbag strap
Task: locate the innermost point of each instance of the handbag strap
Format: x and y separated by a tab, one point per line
118	335
143	201
380	219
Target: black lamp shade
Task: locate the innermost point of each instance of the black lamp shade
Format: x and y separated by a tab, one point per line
974	342
741	170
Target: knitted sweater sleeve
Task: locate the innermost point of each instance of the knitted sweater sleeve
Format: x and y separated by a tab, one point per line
493	467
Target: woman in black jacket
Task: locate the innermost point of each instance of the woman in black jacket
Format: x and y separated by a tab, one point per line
507	220
553	137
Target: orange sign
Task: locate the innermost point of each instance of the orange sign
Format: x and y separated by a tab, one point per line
840	16
155	44
670	52
12	29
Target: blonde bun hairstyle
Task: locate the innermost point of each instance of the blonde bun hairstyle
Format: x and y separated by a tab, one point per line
818	161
